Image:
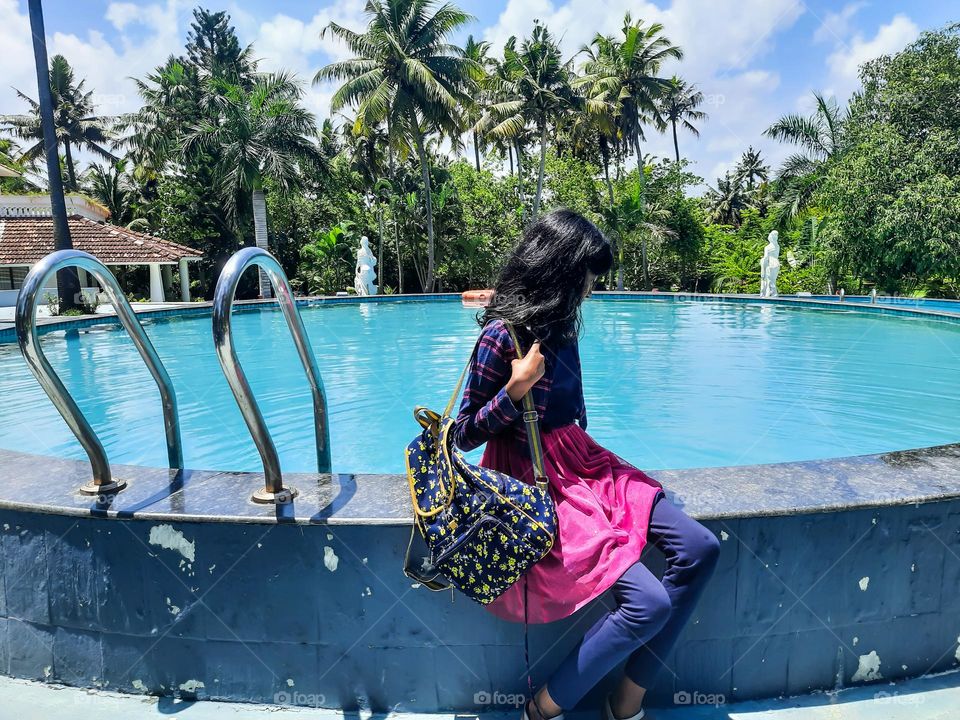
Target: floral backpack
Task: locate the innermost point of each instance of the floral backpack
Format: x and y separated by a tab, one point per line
483	529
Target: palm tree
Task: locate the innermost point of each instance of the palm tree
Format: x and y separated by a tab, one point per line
169	106
108	186
536	85
679	104
407	74
13	169
625	71
819	136
261	133
511	144
366	148
633	216
596	129
75	122
478	52
726	201
752	168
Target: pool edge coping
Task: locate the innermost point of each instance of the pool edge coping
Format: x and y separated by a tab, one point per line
933	472
691	477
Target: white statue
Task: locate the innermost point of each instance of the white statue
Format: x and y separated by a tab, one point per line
770	266
366	262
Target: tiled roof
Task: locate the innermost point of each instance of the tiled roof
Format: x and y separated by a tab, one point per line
26	240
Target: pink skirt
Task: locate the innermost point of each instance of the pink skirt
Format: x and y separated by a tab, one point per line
603	512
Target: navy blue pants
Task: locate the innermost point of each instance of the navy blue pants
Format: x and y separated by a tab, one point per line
650	613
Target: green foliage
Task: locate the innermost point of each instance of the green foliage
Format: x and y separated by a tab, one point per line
894	192
678	253
733	257
327	261
186	212
573	184
488	225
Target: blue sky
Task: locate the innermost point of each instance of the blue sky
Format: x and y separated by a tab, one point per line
753	59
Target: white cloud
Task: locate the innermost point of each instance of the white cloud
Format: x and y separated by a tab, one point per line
288	42
843	64
726	35
716	36
296	45
16	60
724	43
835	26
148	34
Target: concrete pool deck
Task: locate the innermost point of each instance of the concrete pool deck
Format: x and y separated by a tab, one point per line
934	697
43	314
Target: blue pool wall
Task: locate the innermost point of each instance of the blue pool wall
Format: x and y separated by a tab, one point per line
322	614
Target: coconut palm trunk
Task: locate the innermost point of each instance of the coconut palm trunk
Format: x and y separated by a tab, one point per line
390	149
643	235
605	156
71	170
380	244
543	165
676	145
68	281
520	192
396	244
260	234
606	177
425	171
476	149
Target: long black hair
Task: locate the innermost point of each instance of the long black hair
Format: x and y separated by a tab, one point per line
541	286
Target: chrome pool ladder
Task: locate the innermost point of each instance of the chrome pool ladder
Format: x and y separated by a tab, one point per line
103	482
273	490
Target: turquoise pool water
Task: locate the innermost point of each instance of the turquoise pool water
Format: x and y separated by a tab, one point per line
668	384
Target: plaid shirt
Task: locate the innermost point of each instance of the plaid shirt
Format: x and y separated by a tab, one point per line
486	410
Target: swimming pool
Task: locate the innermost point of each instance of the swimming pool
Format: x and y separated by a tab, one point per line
668	384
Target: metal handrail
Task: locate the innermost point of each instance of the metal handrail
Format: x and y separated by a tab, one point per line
33	284
223	298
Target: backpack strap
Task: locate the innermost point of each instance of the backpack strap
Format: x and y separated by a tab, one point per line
531	420
530	416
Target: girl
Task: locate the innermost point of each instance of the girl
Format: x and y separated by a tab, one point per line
607	509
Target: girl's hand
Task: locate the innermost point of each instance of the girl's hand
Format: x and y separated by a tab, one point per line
526	371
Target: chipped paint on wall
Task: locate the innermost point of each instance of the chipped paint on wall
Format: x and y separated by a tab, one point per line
868	668
169	538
